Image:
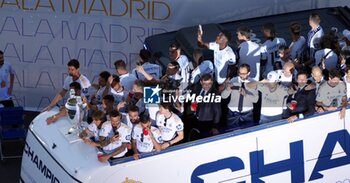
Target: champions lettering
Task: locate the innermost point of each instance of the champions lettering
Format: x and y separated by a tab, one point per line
40	165
296	163
149	10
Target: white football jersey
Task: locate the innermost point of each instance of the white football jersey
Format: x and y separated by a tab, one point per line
144	142
94	130
270	51
250	53
222	58
169	127
108	132
84	82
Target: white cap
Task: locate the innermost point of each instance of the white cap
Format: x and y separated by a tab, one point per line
346	34
273	76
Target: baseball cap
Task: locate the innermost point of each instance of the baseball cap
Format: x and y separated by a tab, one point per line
346	34
273	76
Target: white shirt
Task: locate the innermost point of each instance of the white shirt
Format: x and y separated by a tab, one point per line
222	58
331	59
270	52
144	142
152	110
5	71
119	95
169	128
297	48
272	102
347	83
84	82
152	69
124	137
205	67
249	53
184	67
94	130
127	80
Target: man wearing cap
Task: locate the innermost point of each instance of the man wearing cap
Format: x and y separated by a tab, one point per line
223	54
273	96
152	69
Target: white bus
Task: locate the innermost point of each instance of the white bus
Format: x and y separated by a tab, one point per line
315	149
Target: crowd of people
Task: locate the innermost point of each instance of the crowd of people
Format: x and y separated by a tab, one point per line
257	84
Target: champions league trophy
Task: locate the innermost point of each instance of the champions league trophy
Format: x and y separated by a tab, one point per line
75	106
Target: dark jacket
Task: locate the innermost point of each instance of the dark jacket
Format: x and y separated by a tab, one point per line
306	100
208	111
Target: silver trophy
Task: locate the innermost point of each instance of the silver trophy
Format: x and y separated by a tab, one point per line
74	107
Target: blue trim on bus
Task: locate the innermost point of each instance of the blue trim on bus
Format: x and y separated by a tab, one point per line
114	162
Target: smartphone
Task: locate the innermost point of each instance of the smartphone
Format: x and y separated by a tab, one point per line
116	133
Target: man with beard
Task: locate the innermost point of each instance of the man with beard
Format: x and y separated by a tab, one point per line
240	114
114	137
74	75
132	117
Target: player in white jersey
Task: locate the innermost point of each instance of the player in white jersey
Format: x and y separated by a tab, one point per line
170	125
93	130
145	137
314	35
6	72
249	52
73	75
102	88
270	48
152	69
126	79
175	55
224	57
203	66
117	90
131	118
298	44
114	137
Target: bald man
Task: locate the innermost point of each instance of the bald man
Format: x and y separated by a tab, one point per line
317	77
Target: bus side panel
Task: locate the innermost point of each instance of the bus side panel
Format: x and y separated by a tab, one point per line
309	150
39	166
